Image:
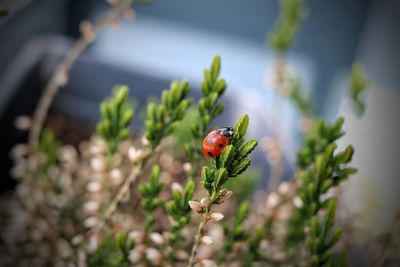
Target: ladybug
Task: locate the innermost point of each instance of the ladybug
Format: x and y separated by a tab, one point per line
216	141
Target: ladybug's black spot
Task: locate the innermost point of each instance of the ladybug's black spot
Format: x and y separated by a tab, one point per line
220	145
211	154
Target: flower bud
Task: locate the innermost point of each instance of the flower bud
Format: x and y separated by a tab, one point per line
196	206
216	216
156	238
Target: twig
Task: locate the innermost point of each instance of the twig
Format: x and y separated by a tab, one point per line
197	240
60	76
123	189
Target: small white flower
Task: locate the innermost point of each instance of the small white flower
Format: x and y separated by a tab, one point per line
135	256
67	153
187	166
116	176
76	240
98	164
178	187
145	141
156	238
272	200
19	151
22	123
153	255
93	243
284	188
94	186
205	202
181	255
216	216
196	206
137	236
90	222
98	146
207	240
135	154
64	249
91	206
297	202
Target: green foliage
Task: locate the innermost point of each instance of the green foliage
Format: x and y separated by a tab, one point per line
317	141
179	210
358	83
230	163
113	252
292	14
323	237
116	116
320	169
48	146
208	107
150	201
161	118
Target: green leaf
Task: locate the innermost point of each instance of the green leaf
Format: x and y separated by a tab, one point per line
242	212
334	238
215	68
221	176
226	157
240	167
246	149
240	128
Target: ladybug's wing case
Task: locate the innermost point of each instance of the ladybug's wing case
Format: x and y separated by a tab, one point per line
214	143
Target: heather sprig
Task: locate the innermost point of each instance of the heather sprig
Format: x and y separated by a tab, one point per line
161	118
49	147
320	169
230	163
323	237
113	252
358	83
150	192
179	210
116	116
208	108
292	14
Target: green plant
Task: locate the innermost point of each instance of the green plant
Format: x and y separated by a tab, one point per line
284	32
320	169
230	163
150	201
179	209
116	117
208	108
358	83
113	252
161	118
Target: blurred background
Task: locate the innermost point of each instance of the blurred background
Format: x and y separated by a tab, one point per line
177	39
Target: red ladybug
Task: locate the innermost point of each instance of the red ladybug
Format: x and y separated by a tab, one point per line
216	141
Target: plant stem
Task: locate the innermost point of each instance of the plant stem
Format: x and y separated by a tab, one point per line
123	189
60	76
197	240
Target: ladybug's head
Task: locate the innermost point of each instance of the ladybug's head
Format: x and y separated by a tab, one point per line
227	131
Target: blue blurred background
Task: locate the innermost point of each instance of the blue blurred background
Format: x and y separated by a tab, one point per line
177	39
